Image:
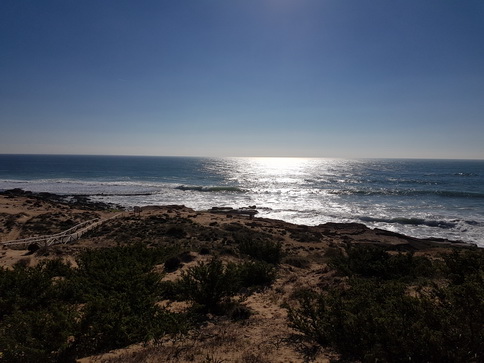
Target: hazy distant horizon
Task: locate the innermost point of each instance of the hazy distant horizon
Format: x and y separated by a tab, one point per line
251	156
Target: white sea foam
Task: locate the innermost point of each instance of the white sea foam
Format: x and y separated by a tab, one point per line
418	198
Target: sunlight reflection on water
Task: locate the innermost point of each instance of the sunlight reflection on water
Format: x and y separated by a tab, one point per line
423	198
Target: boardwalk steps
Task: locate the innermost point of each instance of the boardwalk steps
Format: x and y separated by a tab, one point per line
68	236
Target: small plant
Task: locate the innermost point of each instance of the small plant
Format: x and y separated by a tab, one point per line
172	264
261	249
256	274
236	311
208	284
211	359
370	261
23	262
204	251
211	285
56	268
297	261
176	232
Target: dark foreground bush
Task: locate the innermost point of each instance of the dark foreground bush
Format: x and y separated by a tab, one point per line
378	320
53	312
37	336
462	266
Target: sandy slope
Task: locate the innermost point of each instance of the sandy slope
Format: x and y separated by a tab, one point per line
265	336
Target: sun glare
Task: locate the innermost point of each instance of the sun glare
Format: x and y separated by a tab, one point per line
275	166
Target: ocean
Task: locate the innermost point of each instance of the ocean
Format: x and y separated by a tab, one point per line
420	198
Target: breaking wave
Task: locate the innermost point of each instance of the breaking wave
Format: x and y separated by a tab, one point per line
419	222
215	189
442	199
403	192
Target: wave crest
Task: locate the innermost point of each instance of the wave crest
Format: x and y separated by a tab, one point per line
210	189
396	192
445	224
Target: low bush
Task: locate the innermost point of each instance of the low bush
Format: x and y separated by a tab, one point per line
112	322
40	335
297	261
255	274
211	285
108	302
204	251
208	284
461	266
172	264
237	311
377	319
261	249
24	288
370	261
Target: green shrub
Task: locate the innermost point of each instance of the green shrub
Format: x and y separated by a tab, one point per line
236	311
24	288
176	232
359	323
261	249
35	321
120	292
461	266
204	251
172	264
208	284
118	270
255	274
297	261
211	285
378	320
171	290
56	268
37	336
110	323
370	261
108	302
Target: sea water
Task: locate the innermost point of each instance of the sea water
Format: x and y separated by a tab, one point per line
420	198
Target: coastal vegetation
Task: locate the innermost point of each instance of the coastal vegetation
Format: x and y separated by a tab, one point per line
192	286
54	312
211	285
398	308
110	297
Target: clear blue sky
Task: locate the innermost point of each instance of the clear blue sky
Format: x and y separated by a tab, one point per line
329	78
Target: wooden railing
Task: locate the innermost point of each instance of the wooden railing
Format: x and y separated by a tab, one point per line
68	236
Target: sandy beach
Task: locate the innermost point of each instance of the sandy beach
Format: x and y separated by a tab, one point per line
264	336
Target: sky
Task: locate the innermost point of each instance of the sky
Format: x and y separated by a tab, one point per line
309	78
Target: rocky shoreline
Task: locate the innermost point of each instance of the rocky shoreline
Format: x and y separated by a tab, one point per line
344	232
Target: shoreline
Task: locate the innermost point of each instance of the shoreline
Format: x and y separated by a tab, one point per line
421	199
27	214
378	235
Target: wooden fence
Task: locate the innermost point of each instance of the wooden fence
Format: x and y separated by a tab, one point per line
67	236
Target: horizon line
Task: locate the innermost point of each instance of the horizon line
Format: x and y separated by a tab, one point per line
253	156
